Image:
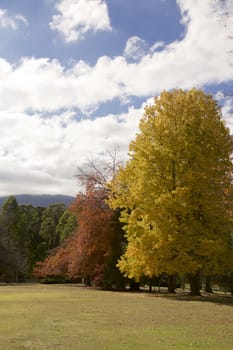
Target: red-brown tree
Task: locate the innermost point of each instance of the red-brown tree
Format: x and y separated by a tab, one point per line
92	251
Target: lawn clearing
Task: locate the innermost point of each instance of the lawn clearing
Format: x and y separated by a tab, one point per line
70	317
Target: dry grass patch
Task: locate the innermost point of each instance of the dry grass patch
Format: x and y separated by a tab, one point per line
69	317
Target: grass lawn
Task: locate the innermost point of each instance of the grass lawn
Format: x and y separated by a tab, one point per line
69	317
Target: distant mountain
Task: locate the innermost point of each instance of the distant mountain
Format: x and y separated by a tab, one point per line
43	200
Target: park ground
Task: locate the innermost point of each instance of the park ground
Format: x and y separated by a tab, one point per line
71	317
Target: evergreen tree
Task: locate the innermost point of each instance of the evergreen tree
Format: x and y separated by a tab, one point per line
66	225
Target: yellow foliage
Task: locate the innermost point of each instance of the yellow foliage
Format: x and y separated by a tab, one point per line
173	191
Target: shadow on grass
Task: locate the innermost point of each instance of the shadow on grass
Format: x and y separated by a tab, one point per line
210	298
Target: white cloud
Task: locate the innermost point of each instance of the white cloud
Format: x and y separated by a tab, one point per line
200	57
135	48
77	17
41	155
12	22
49	86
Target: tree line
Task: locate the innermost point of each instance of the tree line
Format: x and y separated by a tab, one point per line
27	235
166	212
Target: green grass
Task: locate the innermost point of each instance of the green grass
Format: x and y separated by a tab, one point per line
66	317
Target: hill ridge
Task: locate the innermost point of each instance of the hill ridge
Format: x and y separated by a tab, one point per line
41	200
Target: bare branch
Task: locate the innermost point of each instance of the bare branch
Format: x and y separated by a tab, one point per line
99	171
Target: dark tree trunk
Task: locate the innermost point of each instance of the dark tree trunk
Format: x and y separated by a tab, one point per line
87	281
208	288
171	284
134	286
231	283
194	280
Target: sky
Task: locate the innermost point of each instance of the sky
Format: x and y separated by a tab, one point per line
75	76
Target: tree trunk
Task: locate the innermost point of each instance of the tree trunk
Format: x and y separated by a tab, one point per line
194	280
171	284
134	286
208	288
231	282
87	281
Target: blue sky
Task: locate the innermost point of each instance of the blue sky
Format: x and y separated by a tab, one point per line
148	19
75	76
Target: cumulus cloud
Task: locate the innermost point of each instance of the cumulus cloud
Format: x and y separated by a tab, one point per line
77	17
200	57
42	155
12	22
50	86
135	48
30	165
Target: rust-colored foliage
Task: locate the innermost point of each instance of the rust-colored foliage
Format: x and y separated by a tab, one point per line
86	253
55	264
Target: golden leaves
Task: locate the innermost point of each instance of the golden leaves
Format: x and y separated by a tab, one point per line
173	188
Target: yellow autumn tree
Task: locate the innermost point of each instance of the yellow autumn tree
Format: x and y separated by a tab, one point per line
174	192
